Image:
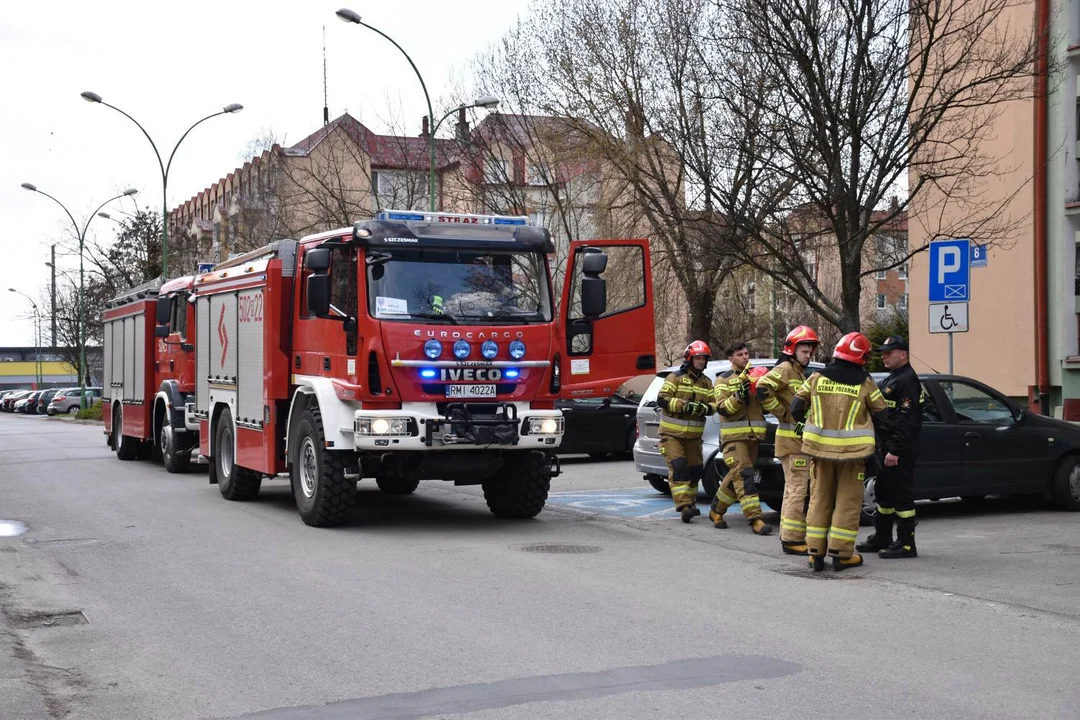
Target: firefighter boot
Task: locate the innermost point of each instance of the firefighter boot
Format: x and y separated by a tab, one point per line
882	535
760	527
717	516
904	547
844	563
794	547
816	563
689	513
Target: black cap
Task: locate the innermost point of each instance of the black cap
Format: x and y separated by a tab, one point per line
893	342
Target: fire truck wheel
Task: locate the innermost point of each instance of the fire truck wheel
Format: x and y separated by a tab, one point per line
234	482
175	462
324	496
396	485
521	490
127	448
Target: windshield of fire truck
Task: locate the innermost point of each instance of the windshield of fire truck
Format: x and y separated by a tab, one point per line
458	286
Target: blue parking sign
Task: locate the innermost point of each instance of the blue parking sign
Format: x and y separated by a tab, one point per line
950	271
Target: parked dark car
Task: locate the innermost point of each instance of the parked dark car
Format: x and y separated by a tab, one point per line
8	403
28	404
598	426
43	401
977	442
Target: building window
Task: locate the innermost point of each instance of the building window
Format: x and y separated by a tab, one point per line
903	301
881	301
496	171
881	274
810	263
539	219
902	270
537	174
751	297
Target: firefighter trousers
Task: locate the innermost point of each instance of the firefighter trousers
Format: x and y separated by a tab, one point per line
836	496
894	488
739	485
796	493
685	468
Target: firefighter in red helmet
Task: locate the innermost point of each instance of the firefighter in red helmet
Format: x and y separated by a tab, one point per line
776	391
836	405
686	399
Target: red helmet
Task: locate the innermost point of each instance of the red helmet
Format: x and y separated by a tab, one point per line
756	372
698	347
853	347
801	334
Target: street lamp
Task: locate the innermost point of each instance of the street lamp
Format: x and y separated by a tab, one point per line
227	110
37	337
81	234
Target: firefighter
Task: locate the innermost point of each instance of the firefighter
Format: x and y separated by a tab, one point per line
898	445
839	435
742	425
776	391
686	399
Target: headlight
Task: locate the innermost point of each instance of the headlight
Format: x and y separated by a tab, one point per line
517	349
489	349
433	349
545	426
462	349
382	426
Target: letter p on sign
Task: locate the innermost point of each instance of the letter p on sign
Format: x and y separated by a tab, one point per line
948	262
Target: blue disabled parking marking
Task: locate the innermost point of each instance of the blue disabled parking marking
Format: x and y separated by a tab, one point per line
635	503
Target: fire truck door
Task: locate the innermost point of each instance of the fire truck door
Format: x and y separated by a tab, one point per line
601	350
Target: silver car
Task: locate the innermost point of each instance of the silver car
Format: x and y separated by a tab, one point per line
649	461
67	401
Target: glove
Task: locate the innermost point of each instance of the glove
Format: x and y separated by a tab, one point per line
743	393
695	408
799	428
709	409
677	406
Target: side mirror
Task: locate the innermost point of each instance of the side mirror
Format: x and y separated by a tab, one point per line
607	402
317	260
164	307
161	331
318	294
594	263
593	296
1020	415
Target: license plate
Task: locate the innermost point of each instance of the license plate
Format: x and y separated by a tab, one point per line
470	391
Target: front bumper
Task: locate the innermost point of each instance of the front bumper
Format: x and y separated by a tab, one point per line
460	426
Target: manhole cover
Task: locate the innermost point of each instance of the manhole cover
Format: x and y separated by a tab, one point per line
11	528
28	621
560	549
61	542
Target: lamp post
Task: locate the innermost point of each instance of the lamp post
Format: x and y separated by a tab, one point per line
81	234
37	337
165	166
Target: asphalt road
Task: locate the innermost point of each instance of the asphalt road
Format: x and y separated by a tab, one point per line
139	594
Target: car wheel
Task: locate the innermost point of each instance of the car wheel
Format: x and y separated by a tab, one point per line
1065	485
127	448
869	503
175	460
710	482
73	410
234	482
660	484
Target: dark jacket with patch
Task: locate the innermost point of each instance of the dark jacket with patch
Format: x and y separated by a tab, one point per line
902	391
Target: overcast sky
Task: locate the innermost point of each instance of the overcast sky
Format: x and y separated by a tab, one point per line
168	65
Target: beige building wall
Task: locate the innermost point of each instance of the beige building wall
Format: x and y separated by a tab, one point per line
1000	348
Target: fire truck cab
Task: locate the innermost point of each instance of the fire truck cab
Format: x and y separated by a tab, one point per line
408	347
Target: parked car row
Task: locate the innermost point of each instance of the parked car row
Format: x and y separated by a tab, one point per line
46	402
974	442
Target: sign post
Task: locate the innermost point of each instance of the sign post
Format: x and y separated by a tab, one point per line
950	287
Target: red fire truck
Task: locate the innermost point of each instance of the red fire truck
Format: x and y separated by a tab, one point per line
409	347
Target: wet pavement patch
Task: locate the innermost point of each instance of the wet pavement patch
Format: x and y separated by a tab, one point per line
560	549
60	542
32	620
686	674
11	528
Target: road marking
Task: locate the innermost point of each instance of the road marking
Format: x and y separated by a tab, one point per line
634	503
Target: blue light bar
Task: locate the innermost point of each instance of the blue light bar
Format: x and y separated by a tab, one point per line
509	221
400	216
428	373
512	374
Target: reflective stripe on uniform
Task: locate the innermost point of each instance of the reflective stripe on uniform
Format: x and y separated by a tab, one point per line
816	532
885	510
786	430
853	413
842	534
680	489
905	513
770	403
876	395
789	524
750	502
743	428
838	437
725	498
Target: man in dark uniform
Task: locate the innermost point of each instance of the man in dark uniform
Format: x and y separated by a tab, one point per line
898	444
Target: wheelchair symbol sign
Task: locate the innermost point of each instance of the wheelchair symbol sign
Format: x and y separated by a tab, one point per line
949	317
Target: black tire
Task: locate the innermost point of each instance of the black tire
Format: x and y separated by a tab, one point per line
73	410
660	484
521	489
710	482
174	462
156	455
324	496
397	485
234	482
869	508
1065	485
127	448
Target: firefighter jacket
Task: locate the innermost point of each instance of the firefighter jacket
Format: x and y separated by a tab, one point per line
840	400
678	416
776	391
739	419
902	392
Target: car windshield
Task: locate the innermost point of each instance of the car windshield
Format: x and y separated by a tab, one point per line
653	391
458	285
